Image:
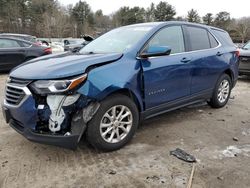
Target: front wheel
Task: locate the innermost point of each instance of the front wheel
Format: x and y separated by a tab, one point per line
114	124
221	92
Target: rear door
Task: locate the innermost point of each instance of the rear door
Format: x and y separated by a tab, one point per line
11	53
208	60
167	78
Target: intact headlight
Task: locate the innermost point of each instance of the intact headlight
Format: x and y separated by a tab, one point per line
57	86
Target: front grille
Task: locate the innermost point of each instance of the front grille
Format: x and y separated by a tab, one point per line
16	90
14	95
21	82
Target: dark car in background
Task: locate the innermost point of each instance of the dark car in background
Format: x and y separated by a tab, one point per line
28	38
15	51
74	45
244	66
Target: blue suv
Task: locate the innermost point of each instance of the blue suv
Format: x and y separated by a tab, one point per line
123	77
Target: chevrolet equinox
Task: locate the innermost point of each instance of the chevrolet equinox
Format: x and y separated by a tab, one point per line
125	76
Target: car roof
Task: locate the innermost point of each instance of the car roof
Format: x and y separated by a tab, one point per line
160	24
17	34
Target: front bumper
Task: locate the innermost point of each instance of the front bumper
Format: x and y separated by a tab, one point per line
23	119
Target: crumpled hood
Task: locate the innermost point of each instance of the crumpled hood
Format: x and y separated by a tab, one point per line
60	65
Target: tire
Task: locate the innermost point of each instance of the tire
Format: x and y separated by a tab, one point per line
219	98
104	123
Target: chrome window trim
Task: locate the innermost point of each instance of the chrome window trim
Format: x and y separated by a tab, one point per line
218	46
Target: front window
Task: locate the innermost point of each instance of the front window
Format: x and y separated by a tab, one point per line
171	37
117	40
6	43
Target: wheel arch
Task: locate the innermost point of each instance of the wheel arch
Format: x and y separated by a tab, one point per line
127	92
229	72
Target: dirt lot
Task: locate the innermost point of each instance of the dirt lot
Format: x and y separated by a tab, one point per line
145	162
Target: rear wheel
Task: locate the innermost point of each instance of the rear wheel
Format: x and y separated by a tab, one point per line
221	92
114	124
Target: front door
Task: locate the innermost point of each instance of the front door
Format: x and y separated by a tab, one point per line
167	78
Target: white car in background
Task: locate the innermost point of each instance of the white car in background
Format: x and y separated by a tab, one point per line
57	47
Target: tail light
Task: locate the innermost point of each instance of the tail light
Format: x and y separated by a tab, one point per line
47	51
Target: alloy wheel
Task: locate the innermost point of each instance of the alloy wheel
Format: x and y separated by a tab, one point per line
116	124
223	91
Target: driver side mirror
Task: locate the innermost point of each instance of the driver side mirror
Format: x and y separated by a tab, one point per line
154	51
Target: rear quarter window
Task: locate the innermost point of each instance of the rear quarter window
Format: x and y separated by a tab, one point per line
223	37
213	41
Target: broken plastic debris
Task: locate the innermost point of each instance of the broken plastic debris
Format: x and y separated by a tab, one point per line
235	139
181	154
112	172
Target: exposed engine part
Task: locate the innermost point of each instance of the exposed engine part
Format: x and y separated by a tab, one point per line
56	102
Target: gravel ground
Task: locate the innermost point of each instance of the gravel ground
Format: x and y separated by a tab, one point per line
218	138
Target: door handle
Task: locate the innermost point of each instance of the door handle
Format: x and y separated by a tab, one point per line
185	60
219	53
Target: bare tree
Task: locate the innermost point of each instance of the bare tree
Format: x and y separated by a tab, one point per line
243	28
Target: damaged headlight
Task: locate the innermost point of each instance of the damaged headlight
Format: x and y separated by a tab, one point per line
57	86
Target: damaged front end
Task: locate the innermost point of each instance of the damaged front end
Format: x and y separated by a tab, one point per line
65	115
50	112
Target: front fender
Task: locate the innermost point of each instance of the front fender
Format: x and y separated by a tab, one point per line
107	79
90	90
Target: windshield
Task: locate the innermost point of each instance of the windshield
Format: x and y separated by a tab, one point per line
117	40
247	46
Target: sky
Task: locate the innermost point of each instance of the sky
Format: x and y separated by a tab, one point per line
236	9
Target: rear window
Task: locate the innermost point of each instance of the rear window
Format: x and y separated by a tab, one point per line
213	41
198	38
25	44
223	37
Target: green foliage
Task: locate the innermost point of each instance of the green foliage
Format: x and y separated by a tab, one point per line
47	18
164	12
150	13
222	20
193	16
208	19
81	12
126	15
